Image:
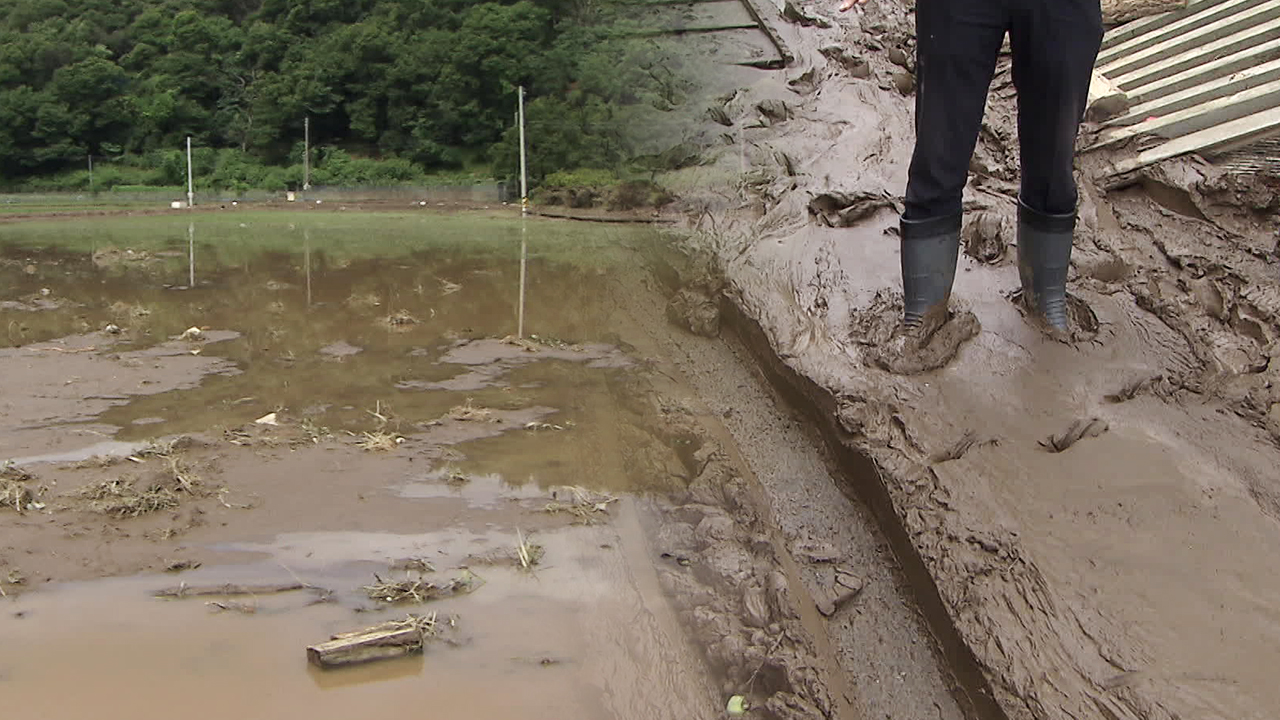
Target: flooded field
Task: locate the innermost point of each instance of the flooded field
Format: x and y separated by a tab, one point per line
341	402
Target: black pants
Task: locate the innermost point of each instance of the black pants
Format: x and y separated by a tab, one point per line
1055	44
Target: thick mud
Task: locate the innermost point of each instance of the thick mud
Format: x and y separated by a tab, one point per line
338	420
1092	514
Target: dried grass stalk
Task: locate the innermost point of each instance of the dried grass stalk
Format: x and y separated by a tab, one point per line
400	320
468	412
14	489
419	590
583	504
379	441
17	496
122	499
528	554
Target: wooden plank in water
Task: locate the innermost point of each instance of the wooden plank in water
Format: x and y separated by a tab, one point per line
376	643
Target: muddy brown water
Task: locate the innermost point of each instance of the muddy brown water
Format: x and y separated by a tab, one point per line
342	346
679	592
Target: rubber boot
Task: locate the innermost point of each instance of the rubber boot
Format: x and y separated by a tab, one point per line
1044	258
930	249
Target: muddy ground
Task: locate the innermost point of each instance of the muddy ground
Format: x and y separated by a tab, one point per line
1093	521
994	525
338	420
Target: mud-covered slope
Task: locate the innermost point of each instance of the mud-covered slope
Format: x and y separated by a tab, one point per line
1098	518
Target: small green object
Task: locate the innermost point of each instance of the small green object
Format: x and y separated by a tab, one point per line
737	706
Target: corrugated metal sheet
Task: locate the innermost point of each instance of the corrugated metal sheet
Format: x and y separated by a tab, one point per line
1203	80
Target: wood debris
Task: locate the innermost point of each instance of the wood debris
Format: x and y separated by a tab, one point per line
397	638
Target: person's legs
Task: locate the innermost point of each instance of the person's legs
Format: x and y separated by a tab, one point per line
957	44
1055	44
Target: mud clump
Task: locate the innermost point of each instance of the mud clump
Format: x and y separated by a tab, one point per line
986	238
897	350
733	597
836	208
695	311
1077	431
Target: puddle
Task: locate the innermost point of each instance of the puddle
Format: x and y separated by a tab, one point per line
332	316
581	637
109	448
401	419
487	490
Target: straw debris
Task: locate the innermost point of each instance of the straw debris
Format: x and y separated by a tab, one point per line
400	320
15	492
583	504
528	554
469	412
128	498
379	441
121	498
523	344
418	590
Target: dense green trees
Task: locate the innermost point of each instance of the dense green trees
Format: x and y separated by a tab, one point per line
429	82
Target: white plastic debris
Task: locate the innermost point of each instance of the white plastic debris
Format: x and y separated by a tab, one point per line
268	419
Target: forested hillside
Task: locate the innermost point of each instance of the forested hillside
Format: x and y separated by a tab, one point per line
422	85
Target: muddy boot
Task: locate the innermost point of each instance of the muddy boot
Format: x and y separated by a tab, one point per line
930	249
1044	258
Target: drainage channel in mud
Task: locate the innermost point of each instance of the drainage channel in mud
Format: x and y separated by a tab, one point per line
352	410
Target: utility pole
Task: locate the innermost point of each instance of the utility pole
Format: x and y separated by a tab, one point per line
191	187
191	256
524	181
524	211
90	172
306	153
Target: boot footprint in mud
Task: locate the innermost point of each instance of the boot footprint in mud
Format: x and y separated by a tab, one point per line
902	350
911	352
1083	322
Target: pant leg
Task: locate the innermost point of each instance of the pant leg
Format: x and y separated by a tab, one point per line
1055	44
957	44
